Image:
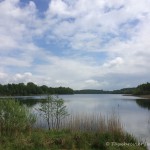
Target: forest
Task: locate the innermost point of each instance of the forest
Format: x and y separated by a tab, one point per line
30	88
143	89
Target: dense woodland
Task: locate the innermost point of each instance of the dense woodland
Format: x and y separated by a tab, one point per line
143	89
30	88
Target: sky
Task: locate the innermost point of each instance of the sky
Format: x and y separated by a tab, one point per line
81	44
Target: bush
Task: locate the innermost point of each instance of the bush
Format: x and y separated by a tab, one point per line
14	117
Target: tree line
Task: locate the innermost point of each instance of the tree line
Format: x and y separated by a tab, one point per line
143	89
30	88
90	91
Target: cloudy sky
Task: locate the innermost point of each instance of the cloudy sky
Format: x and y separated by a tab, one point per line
82	44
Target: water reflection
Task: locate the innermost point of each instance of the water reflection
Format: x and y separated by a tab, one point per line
31	102
145	103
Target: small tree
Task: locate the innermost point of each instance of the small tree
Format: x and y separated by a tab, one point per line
60	111
47	110
53	111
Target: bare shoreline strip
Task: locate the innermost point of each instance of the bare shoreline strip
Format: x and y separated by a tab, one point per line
140	96
144	96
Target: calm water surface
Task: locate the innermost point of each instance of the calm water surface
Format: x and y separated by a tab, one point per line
133	112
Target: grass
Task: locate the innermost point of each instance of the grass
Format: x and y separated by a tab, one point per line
77	132
40	139
93	123
81	132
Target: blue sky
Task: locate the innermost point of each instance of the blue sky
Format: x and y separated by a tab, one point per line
100	44
41	5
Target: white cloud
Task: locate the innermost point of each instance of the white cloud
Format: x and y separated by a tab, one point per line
119	29
115	62
9	61
3	75
89	18
19	78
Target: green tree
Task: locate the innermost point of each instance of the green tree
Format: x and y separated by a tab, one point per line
54	111
142	89
31	89
60	111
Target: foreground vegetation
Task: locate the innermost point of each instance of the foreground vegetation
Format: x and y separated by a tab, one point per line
39	139
75	132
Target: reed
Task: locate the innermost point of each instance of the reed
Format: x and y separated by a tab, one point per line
92	123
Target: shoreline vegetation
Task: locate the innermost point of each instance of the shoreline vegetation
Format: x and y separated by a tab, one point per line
75	132
31	89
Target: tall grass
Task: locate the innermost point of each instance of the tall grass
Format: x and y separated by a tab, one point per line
92	123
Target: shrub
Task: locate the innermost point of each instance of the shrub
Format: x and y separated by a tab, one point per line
54	111
14	117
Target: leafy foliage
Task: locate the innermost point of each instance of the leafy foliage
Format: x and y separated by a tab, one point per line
53	111
31	89
143	89
14	117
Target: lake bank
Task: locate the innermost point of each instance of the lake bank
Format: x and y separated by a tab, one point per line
95	132
133	111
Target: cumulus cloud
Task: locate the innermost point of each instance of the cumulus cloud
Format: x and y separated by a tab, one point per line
76	43
115	62
25	77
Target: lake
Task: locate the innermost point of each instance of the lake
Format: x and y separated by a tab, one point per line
133	112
